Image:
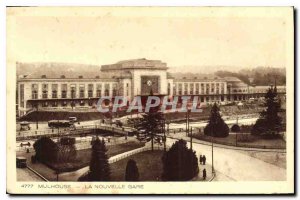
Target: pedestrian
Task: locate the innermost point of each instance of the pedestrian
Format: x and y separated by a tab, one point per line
203	159
204	174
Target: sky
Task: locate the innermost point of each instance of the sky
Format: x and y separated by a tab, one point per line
183	41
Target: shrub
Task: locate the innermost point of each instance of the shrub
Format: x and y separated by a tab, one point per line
66	153
245	138
33	159
67	141
45	150
66	150
246	128
132	172
235	128
179	163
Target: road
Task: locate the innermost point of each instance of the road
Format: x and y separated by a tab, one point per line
246	121
44	129
27	175
234	165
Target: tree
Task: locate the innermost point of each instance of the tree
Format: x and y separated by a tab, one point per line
179	163
132	172
99	166
216	126
235	128
45	150
269	123
151	123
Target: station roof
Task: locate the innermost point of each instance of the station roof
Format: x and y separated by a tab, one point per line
141	63
65	71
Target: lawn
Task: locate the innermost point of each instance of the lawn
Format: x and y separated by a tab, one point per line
83	156
82	159
150	167
149	164
254	141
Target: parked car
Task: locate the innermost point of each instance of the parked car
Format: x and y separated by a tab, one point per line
24	126
59	123
21	162
73	119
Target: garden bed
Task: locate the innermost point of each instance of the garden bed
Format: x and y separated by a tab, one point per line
82	160
83	156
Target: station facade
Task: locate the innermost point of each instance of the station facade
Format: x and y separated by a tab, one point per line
128	78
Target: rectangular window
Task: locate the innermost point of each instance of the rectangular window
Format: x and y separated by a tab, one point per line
213	88
81	103
127	89
64	89
99	89
45	95
186	85
197	88
191	88
22	95
34	91
54	91
202	88
169	88
54	104
180	89
44	104
174	89
73	91
64	103
44	91
115	89
106	89
222	98
90	90
207	88
81	91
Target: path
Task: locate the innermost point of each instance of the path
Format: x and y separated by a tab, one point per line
235	165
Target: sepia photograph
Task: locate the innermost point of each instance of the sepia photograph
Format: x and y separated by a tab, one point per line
150	100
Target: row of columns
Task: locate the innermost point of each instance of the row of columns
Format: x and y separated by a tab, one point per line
176	88
101	86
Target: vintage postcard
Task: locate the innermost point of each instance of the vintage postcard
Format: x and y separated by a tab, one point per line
150	100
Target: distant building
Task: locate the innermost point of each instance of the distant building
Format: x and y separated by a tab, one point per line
126	78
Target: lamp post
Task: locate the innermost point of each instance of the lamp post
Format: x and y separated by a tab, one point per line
187	121
72	97
237	121
168	123
191	139
164	132
212	147
37	119
57	174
